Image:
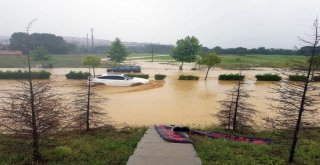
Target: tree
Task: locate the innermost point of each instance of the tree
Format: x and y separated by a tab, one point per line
235	111
117	52
92	61
54	44
88	111
210	60
40	54
186	50
297	102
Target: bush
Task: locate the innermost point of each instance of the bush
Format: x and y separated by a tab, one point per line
145	76
268	77
231	77
297	77
316	78
194	68
24	75
160	76
188	77
78	75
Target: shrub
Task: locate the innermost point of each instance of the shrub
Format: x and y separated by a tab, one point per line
61	152
78	75
146	76
268	77
316	78
188	77
24	75
297	77
231	77
194	68
160	76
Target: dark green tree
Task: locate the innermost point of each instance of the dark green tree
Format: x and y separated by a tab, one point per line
210	60
92	61
117	52
40	54
186	50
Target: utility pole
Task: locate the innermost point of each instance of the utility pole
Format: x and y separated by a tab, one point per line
87	41
92	43
152	52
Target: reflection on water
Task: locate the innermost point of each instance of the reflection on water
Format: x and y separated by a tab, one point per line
169	102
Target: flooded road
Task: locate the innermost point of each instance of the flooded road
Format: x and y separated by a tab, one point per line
169	102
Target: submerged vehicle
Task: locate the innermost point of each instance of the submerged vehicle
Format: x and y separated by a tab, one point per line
118	80
125	69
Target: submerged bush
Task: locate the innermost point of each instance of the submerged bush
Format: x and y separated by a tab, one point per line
78	75
24	74
268	77
188	77
159	77
297	77
145	76
231	77
316	78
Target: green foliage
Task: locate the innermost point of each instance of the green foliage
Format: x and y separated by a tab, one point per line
297	77
316	78
24	42
231	77
188	77
117	52
159	77
186	49
268	77
40	54
145	76
211	60
216	151
101	146
61	152
24	75
92	61
78	75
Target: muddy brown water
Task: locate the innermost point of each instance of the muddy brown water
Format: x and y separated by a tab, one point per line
171	101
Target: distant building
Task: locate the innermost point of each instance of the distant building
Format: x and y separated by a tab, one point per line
10	52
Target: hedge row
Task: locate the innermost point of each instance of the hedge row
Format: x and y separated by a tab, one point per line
316	78
188	77
297	77
78	75
268	77
231	77
159	77
24	74
146	76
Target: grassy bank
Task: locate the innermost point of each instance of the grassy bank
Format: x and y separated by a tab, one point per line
228	61
217	151
103	146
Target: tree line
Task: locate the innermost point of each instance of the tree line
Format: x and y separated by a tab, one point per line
57	45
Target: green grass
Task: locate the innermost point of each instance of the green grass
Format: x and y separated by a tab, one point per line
217	151
58	61
228	61
103	146
274	61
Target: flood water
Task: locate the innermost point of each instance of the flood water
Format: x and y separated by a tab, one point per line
173	101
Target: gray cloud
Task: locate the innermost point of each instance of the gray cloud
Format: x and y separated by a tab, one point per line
227	23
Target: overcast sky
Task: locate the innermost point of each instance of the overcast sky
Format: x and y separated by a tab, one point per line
227	23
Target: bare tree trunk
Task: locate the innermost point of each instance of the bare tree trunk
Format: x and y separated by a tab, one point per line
115	64
35	136
207	73
94	73
237	105
88	106
302	104
180	68
230	111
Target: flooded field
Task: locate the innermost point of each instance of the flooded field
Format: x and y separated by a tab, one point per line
171	101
